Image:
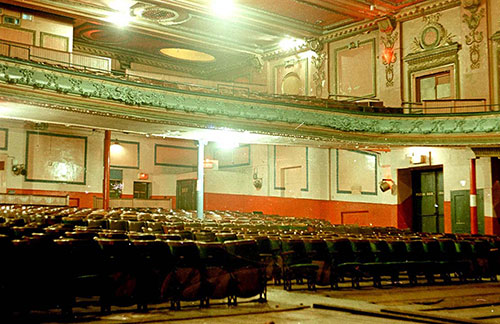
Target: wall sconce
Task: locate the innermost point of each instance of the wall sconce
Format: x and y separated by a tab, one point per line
257	182
387	184
115	147
19	169
418	159
388	55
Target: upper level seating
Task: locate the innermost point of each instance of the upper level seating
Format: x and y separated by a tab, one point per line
101	66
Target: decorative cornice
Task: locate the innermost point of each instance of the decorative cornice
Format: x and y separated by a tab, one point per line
158	104
431	58
410	13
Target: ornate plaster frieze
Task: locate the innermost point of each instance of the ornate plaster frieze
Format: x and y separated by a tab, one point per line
432	58
319	78
318	61
419	10
389	56
157	103
474	38
433	35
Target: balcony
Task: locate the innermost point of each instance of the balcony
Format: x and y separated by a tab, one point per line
448	106
59	58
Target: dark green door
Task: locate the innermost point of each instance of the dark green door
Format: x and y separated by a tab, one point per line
460	211
185	197
428	201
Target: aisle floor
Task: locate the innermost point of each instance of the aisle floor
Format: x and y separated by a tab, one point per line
439	303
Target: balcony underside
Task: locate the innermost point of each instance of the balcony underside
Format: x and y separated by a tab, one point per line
44	93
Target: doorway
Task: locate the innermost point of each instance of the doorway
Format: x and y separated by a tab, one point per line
428	200
185	197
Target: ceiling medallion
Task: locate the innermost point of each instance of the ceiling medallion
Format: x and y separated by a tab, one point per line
160	15
102	34
187	54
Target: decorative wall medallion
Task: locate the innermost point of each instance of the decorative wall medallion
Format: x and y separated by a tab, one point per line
475	37
433	35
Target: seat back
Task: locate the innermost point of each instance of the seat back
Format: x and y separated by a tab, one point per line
398	250
245	251
340	250
416	250
433	250
316	249
136	226
381	250
362	250
297	249
184	253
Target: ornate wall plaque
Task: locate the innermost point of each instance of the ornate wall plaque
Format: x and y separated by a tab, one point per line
475	37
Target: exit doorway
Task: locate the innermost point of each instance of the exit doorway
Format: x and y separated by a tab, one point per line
428	200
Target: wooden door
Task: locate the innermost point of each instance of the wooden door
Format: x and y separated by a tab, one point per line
185	197
428	201
460	211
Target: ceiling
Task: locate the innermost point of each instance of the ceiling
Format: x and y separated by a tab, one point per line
255	28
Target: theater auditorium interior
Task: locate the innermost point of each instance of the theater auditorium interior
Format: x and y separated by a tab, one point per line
234	161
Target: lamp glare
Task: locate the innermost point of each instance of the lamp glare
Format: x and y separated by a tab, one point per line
223	8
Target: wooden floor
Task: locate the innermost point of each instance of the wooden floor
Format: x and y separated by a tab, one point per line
455	303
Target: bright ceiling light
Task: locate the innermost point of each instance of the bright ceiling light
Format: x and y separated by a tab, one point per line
227	143
288	43
223	8
121	16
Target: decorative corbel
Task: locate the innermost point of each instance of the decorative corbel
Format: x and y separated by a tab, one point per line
475	37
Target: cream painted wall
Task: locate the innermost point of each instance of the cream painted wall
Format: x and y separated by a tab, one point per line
239	180
16	152
46	25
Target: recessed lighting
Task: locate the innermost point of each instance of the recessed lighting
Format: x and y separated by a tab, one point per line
223	8
187	54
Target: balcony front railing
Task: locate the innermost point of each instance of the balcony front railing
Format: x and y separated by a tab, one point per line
45	55
102	65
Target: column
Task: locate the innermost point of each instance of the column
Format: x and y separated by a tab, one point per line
473	197
105	182
199	183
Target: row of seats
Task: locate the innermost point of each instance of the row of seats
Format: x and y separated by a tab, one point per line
45	271
144	256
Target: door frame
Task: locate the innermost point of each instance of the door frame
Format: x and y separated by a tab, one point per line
412	170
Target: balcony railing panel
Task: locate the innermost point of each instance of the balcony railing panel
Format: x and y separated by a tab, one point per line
45	55
452	106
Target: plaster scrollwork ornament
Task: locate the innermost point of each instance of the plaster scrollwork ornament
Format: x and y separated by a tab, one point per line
433	35
389	56
318	61
475	37
319	75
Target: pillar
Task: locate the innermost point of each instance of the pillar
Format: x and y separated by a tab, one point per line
105	182
473	197
199	183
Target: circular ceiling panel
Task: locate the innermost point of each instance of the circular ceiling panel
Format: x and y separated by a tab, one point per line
187	55
104	36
